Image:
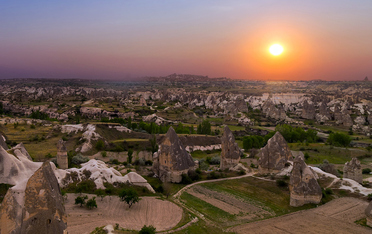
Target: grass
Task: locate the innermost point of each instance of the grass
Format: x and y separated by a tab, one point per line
201	227
198	154
319	152
236	128
36	149
259	192
362	222
129	140
210	211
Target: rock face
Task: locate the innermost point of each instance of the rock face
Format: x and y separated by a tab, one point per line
172	160
303	186
2	142
308	110
353	170
274	155
230	155
62	159
37	209
368	213
270	110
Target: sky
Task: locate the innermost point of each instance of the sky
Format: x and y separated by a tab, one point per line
119	40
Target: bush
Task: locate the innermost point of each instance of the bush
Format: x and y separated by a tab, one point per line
281	183
32	126
366	171
104	154
130	156
185	179
307	156
91	203
100	145
215	160
147	230
339	139
193	175
78	159
148	163
80	200
328	191
369	197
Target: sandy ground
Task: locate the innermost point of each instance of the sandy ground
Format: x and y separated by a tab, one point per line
163	215
337	216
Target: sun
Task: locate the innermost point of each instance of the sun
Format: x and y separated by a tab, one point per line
276	49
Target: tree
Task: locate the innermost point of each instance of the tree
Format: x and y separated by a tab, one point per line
130	196
130	156
147	230
91	203
204	128
100	193
339	139
80	200
154	146
129	122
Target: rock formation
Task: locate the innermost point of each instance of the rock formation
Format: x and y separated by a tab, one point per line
62	159
368	212
172	160
308	110
272	111
303	186
323	114
2	142
353	170
35	207
230	155
273	157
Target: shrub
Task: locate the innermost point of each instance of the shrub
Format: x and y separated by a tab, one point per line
147	230
369	197
281	183
32	126
328	191
78	159
193	175
104	154
91	203
148	163
100	145
185	179
80	200
339	139
215	160
130	156
366	171
307	156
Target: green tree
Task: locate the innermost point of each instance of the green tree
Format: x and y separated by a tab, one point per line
100	193
339	139
129	122
147	230
91	203
130	196
204	128
130	156
80	200
154	146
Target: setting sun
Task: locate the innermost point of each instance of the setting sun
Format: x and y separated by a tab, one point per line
276	49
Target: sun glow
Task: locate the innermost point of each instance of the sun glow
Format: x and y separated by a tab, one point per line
276	49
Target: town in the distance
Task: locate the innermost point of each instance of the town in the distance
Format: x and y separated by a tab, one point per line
185	154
